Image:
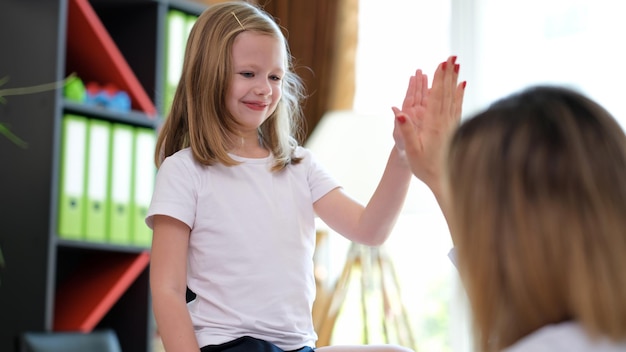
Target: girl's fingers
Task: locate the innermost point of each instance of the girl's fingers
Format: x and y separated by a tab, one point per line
425	90
401	117
419	87
416	92
409	97
409	133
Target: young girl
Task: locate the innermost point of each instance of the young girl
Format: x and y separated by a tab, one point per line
236	197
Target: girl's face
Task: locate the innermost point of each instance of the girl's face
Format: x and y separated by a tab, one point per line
256	85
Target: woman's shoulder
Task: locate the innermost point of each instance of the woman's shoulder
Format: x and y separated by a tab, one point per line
567	336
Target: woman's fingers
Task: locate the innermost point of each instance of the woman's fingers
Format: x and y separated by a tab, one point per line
443	94
447	83
437	91
458	101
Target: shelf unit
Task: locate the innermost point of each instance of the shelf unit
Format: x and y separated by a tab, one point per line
50	283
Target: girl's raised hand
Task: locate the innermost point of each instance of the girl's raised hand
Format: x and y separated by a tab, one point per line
412	105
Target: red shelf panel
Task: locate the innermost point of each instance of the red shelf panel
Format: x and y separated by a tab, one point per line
94	56
83	299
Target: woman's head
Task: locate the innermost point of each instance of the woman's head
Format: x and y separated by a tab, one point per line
200	116
537	198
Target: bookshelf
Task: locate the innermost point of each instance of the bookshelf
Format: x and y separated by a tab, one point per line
50	283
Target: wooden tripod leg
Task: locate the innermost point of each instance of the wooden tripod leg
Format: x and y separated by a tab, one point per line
338	297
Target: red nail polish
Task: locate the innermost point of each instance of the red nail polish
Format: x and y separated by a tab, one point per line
454	59
456	68
401	119
464	84
443	65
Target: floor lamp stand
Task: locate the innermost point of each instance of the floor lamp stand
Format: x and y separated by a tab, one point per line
380	302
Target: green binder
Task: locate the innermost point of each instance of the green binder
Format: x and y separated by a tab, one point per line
120	179
176	39
98	139
71	208
143	184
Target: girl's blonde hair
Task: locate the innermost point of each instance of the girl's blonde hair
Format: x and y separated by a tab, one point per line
537	187
199	118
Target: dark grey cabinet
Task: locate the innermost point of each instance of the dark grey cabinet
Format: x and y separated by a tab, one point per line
48	282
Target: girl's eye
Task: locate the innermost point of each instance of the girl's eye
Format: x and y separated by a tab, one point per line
275	78
247	74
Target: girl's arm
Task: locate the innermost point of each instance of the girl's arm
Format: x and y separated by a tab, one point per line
430	114
372	224
168	273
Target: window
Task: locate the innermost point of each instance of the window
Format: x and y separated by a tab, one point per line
512	44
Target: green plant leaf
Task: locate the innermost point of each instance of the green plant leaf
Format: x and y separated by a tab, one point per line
4	130
33	89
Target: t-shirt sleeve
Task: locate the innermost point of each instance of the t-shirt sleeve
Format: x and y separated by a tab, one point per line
320	180
174	192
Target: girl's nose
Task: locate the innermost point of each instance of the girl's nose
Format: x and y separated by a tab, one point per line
263	87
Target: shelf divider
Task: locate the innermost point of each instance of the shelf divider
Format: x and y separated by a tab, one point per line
94	56
85	297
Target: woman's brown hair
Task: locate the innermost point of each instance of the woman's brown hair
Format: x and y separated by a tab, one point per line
537	186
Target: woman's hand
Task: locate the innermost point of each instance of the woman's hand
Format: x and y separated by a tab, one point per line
428	117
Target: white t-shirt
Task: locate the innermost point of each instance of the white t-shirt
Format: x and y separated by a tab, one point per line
250	255
564	337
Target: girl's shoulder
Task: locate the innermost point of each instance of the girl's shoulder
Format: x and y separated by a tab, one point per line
302	152
181	159
182	154
306	157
